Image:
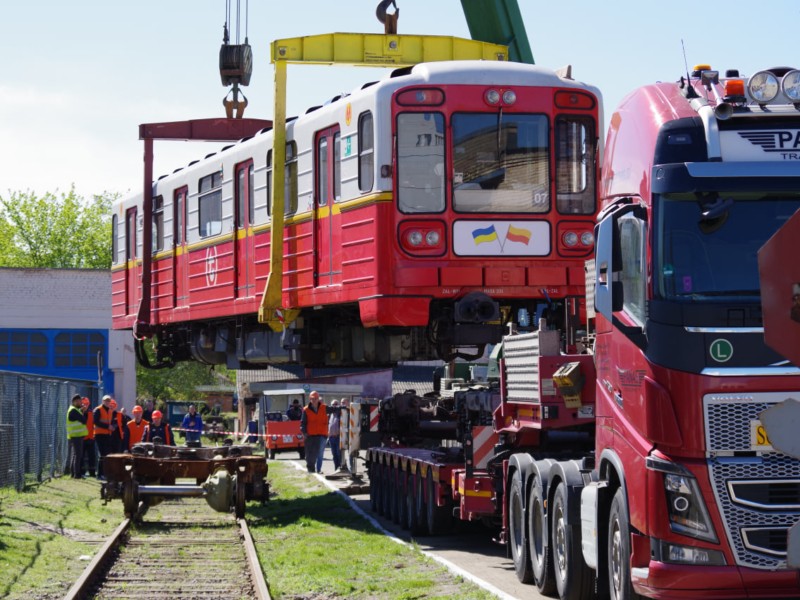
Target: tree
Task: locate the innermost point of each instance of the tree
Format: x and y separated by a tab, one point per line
55	231
179	382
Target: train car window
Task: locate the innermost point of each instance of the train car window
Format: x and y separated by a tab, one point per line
210	204
337	166
114	239
420	162
158	223
290	180
130	234
366	152
322	171
575	165
501	163
251	194
244	195
78	349
180	211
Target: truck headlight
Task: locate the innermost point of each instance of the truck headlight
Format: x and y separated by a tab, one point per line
686	508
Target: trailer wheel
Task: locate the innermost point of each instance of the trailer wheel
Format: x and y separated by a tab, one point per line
401	499
395	498
413	524
375	486
130	498
439	517
516	529
386	492
421	505
541	552
573	577
619	550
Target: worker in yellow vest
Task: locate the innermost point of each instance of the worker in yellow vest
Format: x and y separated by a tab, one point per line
76	431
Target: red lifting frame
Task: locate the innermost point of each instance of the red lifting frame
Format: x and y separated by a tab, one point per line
198	130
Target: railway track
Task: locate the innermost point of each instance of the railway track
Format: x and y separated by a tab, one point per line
182	550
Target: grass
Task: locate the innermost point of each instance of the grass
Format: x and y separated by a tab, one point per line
313	546
44	532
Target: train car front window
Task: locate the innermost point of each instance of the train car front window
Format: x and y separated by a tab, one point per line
500	163
420	162
575	165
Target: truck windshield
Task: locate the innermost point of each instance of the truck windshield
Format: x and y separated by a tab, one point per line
706	244
500	163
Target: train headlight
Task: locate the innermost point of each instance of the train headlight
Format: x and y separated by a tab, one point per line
509	97
791	85
587	238
492	96
432	238
414	237
763	87
570	239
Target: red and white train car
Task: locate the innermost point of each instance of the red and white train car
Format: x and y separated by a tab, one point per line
423	212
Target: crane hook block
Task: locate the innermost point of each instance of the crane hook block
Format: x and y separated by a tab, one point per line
235	64
389	20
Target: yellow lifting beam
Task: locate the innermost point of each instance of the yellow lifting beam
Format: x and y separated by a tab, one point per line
354	49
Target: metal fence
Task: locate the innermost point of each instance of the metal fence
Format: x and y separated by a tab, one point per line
33	439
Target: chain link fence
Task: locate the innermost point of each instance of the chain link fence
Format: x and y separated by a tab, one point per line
33	438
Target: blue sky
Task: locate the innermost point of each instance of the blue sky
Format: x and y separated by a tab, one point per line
79	77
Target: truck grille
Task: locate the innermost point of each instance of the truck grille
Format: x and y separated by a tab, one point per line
758	493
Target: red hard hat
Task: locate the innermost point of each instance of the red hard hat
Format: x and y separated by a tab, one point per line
157	414
137	409
85	401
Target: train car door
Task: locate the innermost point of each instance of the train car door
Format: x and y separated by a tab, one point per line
132	274
180	256
243	258
327	220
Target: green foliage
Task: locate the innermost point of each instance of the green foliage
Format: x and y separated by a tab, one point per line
62	231
179	382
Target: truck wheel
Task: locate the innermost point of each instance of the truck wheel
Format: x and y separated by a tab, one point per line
619	550
272	453
541	552
302	453
516	529
412	521
573	577
130	498
439	517
421	505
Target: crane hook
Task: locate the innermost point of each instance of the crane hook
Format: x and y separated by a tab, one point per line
389	20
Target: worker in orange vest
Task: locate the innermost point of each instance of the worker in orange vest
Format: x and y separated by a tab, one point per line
136	427
89	453
314	425
105	424
118	441
158	430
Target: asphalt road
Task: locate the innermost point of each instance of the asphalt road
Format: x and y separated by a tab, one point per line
470	548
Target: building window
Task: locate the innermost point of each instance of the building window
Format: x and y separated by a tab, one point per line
366	152
210	201
78	349
23	349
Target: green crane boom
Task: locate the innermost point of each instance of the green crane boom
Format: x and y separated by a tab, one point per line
499	22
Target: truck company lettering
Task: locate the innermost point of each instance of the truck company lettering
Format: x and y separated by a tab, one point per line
786	142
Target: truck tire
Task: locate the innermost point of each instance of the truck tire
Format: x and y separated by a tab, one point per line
374	486
516	529
574	580
272	453
619	550
302	453
439	517
395	497
541	552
